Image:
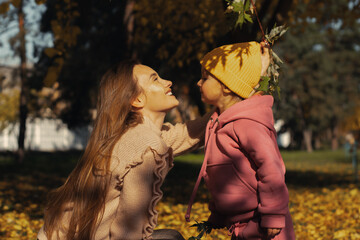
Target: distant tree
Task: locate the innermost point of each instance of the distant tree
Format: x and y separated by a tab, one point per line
320	82
10	11
90	36
170	36
111	31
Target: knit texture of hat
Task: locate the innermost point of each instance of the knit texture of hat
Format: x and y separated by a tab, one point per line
237	66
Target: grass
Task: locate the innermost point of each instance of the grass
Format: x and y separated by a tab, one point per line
316	169
320	185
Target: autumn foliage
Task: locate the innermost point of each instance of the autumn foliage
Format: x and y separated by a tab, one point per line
324	201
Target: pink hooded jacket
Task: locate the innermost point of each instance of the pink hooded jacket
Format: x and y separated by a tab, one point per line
243	168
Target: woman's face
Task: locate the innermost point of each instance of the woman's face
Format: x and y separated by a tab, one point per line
157	91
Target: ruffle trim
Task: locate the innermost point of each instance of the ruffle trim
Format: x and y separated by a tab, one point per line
120	183
164	162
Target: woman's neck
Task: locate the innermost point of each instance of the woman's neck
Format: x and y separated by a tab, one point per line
156	118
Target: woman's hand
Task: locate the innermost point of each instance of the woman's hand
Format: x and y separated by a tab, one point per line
265	57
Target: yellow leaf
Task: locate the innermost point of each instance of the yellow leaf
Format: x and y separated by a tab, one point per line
39	2
33	206
4	7
16	3
339	211
17	227
340	234
51	52
354	192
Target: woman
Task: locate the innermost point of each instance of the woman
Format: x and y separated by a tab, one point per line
113	190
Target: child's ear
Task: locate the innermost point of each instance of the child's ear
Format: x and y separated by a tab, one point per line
139	102
225	89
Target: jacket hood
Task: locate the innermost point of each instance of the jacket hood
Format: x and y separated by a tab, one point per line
257	108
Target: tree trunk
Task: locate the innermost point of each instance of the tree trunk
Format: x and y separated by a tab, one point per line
307	134
129	19
334	139
317	143
24	88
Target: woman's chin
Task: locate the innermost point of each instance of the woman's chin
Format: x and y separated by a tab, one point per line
176	103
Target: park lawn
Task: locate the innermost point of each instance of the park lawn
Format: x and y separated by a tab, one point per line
324	201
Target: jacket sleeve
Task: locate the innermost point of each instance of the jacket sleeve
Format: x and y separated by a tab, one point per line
256	140
183	137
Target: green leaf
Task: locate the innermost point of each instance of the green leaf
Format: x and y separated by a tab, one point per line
278	91
248	17
203	228
238	7
240	20
264	84
247	5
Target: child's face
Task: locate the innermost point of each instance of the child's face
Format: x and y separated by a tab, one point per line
211	89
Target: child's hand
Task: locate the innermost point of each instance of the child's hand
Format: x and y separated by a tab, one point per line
271	232
265	57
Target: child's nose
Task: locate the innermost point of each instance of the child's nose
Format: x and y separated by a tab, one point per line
199	83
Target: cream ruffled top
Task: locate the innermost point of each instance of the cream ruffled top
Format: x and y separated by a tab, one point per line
140	161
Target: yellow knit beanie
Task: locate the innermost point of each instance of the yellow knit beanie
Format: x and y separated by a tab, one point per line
237	66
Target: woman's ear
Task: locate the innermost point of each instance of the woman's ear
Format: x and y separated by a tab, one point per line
139	102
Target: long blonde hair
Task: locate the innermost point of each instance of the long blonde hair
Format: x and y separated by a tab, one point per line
86	187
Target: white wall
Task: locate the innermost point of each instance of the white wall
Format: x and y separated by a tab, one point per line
45	135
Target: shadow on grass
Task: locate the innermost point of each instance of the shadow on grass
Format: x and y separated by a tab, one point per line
24	187
42	172
315	179
57	164
180	181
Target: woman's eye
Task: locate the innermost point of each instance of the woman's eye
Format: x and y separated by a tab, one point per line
155	79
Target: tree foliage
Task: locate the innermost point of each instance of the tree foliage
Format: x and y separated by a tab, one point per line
90	39
9	106
171	37
180	32
320	81
19	45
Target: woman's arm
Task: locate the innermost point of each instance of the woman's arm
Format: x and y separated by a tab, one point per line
182	137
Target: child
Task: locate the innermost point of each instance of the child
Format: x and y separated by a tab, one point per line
242	167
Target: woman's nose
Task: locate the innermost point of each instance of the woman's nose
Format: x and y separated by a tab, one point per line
199	83
167	83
